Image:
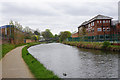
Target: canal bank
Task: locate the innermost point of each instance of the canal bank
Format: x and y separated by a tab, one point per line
94	45
38	69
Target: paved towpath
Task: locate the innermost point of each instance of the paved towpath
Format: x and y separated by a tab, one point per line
13	65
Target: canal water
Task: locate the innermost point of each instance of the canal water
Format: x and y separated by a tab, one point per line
76	62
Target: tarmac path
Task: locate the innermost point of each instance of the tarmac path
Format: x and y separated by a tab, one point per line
12	65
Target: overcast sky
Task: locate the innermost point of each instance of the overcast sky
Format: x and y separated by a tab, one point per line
55	15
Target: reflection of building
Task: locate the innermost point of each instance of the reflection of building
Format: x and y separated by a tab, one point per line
119	11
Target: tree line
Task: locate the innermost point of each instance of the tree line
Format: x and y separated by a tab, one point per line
47	34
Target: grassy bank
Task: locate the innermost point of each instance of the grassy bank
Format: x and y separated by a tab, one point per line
5	48
94	45
38	69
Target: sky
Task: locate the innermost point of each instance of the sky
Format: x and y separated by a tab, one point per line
56	15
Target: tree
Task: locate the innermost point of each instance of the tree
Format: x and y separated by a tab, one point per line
28	33
35	37
11	22
64	35
47	34
27	29
55	35
18	25
83	31
36	32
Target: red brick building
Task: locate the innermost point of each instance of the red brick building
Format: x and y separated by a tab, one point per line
99	27
75	35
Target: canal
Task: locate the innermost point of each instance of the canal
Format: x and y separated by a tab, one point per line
75	62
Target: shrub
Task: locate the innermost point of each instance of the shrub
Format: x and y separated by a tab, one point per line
105	44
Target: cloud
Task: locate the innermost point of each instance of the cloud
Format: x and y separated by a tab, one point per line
55	15
86	8
24	9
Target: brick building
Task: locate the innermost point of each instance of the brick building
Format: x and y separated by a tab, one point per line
11	34
99	28
75	35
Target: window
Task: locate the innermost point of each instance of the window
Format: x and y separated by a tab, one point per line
103	21
10	30
107	36
100	21
98	29
5	31
93	23
103	29
88	25
106	21
92	30
108	29
109	21
101	36
97	21
89	31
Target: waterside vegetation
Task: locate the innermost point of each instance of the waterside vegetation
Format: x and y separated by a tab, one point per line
94	45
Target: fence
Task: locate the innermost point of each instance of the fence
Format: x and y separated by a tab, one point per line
98	38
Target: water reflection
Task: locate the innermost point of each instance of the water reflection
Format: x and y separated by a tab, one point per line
76	62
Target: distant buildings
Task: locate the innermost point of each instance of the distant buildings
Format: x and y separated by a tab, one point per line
119	11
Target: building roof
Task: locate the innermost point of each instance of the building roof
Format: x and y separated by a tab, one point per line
95	18
83	24
99	17
6	26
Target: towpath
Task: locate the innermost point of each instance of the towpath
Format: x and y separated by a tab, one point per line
13	65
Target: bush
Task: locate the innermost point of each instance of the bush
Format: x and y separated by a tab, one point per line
105	44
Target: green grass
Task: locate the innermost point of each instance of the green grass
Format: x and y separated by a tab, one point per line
5	48
38	69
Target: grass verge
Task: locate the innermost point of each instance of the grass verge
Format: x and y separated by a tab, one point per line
38	69
5	48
